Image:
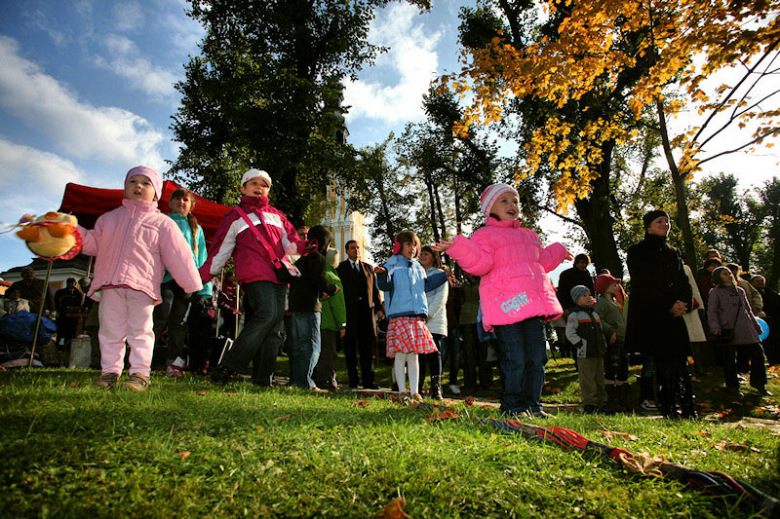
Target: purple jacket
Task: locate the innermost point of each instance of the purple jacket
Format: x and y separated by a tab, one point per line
513	266
729	308
133	245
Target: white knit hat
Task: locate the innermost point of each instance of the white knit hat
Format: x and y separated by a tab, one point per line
491	194
253	173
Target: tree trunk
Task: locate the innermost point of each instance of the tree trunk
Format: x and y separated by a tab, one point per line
680	192
432	202
596	216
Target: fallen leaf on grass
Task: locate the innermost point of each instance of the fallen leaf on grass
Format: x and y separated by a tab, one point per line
734	447
486	407
552	389
469	401
444	415
71	384
259	428
704	434
360	403
394	510
202	393
612	434
184	455
232	394
279	419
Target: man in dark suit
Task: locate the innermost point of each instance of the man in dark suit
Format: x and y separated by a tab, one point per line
363	307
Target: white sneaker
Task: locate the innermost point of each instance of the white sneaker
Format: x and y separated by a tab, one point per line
649	405
454	389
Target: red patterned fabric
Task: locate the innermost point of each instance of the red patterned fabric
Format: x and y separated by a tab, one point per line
408	335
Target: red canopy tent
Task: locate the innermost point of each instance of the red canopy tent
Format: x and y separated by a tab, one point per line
88	203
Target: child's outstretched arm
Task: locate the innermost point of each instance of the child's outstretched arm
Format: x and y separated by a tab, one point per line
553	255
383	279
435	280
91	238
474	256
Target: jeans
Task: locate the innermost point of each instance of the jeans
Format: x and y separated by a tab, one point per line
259	340
523	356
305	348
450	346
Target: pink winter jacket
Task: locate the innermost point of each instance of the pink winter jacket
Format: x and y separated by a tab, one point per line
513	266
133	245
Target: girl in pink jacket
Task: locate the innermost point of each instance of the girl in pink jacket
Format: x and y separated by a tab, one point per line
133	245
516	295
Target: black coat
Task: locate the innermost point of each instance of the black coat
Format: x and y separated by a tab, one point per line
305	291
569	279
657	281
361	297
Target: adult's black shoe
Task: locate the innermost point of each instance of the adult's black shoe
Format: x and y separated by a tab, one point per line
371	386
220	376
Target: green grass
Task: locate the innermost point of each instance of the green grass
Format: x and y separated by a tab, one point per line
188	448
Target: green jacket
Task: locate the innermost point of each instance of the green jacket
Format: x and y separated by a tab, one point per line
334	311
611	318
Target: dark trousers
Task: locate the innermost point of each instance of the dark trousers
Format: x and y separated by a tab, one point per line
616	362
364	346
451	354
171	312
433	362
475	362
261	336
200	326
674	385
754	354
325	371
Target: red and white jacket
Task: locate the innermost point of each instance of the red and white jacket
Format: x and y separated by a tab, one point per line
235	238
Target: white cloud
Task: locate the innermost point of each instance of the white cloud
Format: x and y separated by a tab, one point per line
34	171
125	61
32	182
109	134
411	59
129	16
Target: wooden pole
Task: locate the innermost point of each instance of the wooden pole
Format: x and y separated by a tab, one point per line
40	314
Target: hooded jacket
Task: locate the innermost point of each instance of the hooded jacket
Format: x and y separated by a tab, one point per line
514	266
405	284
235	238
202	254
133	245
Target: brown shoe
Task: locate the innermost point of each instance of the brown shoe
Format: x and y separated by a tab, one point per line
137	382
106	380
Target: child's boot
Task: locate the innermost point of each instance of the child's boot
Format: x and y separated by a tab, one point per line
106	380
136	382
436	388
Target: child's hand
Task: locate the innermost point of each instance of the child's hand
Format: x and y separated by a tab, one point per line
443	245
613	338
380	270
569	256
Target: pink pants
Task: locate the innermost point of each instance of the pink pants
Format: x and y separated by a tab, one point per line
125	314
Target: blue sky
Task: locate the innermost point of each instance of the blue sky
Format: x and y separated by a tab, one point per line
86	93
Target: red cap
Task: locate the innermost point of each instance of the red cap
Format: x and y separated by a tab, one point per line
603	281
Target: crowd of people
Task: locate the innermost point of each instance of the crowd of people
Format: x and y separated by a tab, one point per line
155	277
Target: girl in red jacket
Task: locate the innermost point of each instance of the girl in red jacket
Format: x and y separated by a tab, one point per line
516	295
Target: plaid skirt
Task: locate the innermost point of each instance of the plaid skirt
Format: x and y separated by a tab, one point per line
408	335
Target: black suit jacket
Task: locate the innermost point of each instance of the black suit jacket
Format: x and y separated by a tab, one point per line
361	296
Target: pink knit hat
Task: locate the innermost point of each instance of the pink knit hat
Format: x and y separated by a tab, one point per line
149	173
491	194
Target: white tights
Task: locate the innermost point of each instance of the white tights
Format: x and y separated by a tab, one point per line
408	360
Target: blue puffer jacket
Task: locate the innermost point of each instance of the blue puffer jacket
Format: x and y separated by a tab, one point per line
405	284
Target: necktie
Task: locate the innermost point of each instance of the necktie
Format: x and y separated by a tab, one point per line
357	268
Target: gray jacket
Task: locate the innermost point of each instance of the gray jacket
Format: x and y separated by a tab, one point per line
729	308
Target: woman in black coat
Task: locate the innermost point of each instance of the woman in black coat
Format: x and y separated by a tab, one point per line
660	296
